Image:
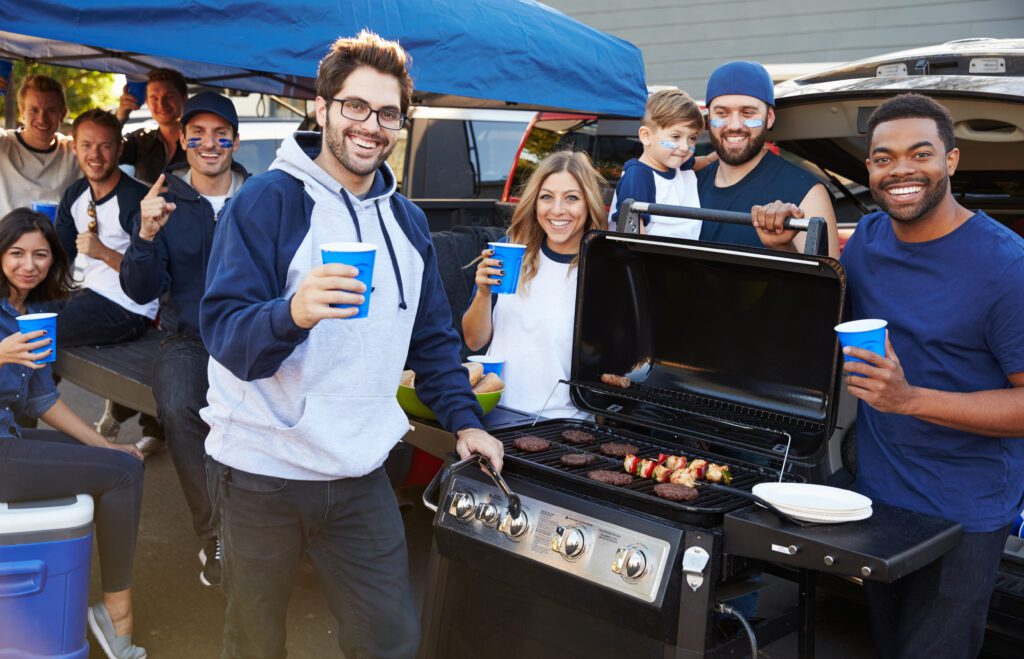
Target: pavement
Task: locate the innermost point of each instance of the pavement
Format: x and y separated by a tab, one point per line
177	617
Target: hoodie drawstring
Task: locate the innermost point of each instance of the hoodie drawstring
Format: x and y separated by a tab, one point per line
394	259
387	241
352	212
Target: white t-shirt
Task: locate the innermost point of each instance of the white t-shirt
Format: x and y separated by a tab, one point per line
113	224
28	175
217	201
533	334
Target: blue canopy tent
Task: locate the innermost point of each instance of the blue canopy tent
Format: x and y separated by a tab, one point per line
482	53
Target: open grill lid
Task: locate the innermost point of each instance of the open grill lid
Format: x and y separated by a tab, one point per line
732	342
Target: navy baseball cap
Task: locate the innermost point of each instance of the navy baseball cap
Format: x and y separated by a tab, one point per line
742	78
213	103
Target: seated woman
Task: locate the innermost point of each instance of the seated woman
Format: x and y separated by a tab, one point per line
74	458
532	329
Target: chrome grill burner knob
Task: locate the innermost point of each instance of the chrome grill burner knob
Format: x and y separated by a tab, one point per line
487	513
514	527
569	542
630	563
463	506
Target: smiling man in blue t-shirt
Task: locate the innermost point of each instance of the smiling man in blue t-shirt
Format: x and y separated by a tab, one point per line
941	420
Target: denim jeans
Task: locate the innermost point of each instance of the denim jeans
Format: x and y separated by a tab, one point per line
179	387
89	319
938	611
352	531
47	464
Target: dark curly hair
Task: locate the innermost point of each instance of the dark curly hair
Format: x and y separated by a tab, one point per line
57	283
914	106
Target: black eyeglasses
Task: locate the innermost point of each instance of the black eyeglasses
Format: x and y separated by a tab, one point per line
357	110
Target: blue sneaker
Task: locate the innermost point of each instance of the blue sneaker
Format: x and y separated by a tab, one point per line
114	646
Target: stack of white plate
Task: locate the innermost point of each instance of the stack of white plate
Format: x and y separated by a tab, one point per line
815	503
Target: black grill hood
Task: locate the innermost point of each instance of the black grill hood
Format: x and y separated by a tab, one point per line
731	342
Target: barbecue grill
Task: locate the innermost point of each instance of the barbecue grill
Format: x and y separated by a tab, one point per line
731	358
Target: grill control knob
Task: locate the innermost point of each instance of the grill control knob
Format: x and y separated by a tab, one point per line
630	563
569	542
463	506
829	560
514	527
487	513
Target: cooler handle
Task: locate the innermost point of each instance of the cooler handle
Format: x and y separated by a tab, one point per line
21	578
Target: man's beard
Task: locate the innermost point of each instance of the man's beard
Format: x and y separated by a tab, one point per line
754	146
336	143
933	194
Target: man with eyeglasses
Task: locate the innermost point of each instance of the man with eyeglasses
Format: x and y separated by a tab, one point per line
302	407
741	110
94	224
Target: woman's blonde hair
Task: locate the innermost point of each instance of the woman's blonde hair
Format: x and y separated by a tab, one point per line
526	230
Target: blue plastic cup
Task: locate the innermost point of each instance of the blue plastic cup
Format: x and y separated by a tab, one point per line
866	334
137	89
491	363
5	75
511	257
47	208
34	322
1018	526
359	255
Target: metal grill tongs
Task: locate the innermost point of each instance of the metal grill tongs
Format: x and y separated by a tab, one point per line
514	505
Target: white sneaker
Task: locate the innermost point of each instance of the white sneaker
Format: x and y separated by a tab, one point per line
108	426
150	445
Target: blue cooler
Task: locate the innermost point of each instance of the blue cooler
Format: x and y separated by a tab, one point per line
45	552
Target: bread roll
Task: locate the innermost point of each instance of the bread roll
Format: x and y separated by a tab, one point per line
490	383
476	372
409	378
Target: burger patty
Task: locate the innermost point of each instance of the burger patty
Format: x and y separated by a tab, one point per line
674	492
610	477
531	444
577	436
617	449
578	459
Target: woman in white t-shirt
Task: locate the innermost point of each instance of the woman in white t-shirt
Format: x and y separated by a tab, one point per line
532	329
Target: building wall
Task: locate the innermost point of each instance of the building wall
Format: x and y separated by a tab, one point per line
684	40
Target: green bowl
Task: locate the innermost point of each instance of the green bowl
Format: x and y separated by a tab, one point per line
411	403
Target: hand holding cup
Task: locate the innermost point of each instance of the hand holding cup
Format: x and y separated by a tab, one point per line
488	272
17	349
323	286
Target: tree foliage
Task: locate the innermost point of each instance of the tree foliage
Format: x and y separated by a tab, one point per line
83	89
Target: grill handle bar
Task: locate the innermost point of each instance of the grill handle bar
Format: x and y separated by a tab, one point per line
756	499
817	233
430	494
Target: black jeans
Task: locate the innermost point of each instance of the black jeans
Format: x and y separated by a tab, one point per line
89	319
939	611
353	532
47	464
179	386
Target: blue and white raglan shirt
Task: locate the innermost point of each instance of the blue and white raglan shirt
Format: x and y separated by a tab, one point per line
320	404
114	213
675	187
532	332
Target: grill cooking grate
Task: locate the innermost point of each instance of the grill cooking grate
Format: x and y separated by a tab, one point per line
639	494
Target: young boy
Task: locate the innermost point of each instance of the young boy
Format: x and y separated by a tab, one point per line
664	174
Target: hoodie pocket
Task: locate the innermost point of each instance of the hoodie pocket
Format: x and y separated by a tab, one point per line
342	436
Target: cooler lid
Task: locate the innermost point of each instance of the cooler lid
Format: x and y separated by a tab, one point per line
50	515
733	341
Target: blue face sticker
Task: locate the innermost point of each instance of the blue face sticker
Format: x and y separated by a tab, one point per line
196	142
672	146
749	123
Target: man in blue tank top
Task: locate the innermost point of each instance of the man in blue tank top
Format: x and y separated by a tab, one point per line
941	416
741	110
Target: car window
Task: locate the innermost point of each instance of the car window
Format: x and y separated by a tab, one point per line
257	155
